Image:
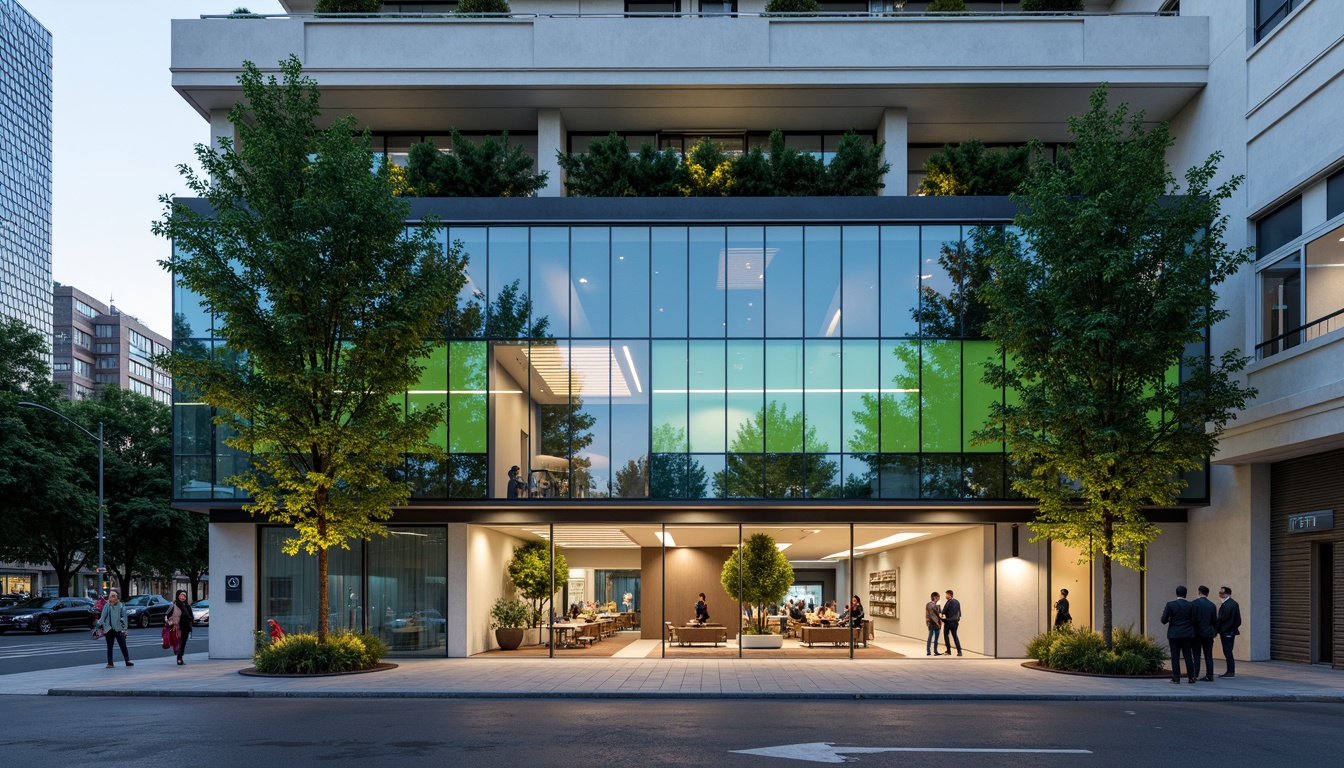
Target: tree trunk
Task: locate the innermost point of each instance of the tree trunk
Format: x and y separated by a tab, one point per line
62	580
322	597
1106	620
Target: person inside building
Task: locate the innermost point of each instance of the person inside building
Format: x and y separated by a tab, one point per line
702	610
1062	616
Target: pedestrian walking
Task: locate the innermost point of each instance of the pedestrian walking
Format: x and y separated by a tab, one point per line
1062	615
113	619
180	617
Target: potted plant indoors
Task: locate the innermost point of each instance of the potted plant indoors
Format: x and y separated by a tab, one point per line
508	617
765	575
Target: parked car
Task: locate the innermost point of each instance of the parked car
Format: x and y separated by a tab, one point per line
143	610
44	615
10	599
200	613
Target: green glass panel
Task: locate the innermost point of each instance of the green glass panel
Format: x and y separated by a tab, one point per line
977	396
784	396
899	407
467	424
707	420
940	397
859	406
1011	397
821	402
746	397
668	376
431	391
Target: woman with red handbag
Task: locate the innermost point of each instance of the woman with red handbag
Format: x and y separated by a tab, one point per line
179	619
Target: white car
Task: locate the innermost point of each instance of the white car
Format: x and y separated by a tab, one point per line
200	613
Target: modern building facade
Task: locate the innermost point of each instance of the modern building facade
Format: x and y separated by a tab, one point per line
95	344
25	168
715	367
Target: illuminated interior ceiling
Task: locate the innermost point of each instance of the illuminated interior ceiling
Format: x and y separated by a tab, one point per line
814	546
743	268
578	370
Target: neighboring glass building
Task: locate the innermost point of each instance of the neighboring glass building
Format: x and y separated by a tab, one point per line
25	168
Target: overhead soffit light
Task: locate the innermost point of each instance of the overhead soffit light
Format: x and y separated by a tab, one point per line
863	549
588	537
579	370
741	268
665	538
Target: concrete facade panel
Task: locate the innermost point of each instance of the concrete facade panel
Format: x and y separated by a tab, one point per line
233	551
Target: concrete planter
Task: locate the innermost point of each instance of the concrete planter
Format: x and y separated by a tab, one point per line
509	639
761	641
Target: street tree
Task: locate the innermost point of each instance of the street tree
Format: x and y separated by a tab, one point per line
49	510
325	300
1108	291
138	457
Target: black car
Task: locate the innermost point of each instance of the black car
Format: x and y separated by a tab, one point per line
143	610
48	614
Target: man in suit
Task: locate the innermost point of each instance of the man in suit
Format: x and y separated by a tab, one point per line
951	621
1180	620
1206	628
1229	626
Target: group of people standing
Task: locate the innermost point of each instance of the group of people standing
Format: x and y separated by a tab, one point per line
112	618
1191	627
945	619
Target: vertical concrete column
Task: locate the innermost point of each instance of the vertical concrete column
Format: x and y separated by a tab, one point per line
233	552
1166	569
220	127
1018	590
458	608
893	130
1255	606
551	138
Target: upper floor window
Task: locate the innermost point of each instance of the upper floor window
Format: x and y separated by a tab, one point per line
1334	195
1270	13
643	6
85	309
1302	294
106	331
1278	228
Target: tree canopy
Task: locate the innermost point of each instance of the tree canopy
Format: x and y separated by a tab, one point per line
530	571
326	304
971	169
1107	292
763	573
493	168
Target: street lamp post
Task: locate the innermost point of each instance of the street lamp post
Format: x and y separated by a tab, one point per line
102	584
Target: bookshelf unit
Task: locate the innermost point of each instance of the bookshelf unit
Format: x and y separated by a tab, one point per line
884	594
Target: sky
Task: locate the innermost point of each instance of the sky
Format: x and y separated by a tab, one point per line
120	131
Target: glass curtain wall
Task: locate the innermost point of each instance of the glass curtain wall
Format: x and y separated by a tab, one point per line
288	588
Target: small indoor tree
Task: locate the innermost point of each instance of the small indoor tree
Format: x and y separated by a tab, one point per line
530	571
763	573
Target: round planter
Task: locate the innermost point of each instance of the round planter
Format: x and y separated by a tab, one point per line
761	641
509	638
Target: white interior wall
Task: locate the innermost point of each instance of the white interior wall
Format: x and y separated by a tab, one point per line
955	561
488	553
510	416
1021	591
1067	573
1166	569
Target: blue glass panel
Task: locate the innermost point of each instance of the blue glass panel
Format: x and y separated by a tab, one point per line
746	396
707	419
783	282
630	281
860	288
668	311
821	403
936	285
508	282
900	281
821	291
706	291
742	270
472	243
630	419
550	279
590	265
669	370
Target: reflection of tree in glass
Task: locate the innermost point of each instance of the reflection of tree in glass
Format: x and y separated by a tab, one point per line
960	314
781	474
672	473
632	480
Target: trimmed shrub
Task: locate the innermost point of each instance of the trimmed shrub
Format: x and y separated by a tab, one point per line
493	169
243	13
1052	5
784	172
793	6
970	169
348	6
946	6
1079	649
856	169
483	6
302	654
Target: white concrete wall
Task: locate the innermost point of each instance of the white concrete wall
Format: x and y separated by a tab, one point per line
510	416
955	561
1166	569
487	578
233	552
1021	591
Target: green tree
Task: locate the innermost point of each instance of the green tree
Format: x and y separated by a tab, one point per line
1110	286
530	572
946	6
325	303
856	169
970	169
784	172
762	573
494	168
787	474
137	472
610	169
483	6
49	512
1052	5
632	480
792	6
672	473
707	171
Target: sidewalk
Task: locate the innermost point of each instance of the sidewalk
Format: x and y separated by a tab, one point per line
959	679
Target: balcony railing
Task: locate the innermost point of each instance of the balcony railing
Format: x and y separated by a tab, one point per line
1303	333
884	16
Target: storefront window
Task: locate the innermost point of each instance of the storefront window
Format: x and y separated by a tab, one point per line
407	595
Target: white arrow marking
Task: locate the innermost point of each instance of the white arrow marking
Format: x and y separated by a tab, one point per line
826	752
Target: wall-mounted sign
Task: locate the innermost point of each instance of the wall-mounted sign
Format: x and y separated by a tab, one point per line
233	589
1309	522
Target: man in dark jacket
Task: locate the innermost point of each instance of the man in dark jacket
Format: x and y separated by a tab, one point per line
1180	620
1229	626
1206	628
951	622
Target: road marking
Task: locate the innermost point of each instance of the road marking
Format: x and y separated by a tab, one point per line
826	752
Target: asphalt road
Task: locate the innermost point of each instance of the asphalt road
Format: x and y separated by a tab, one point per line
497	733
28	651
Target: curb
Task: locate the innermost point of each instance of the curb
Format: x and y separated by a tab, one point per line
740	695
